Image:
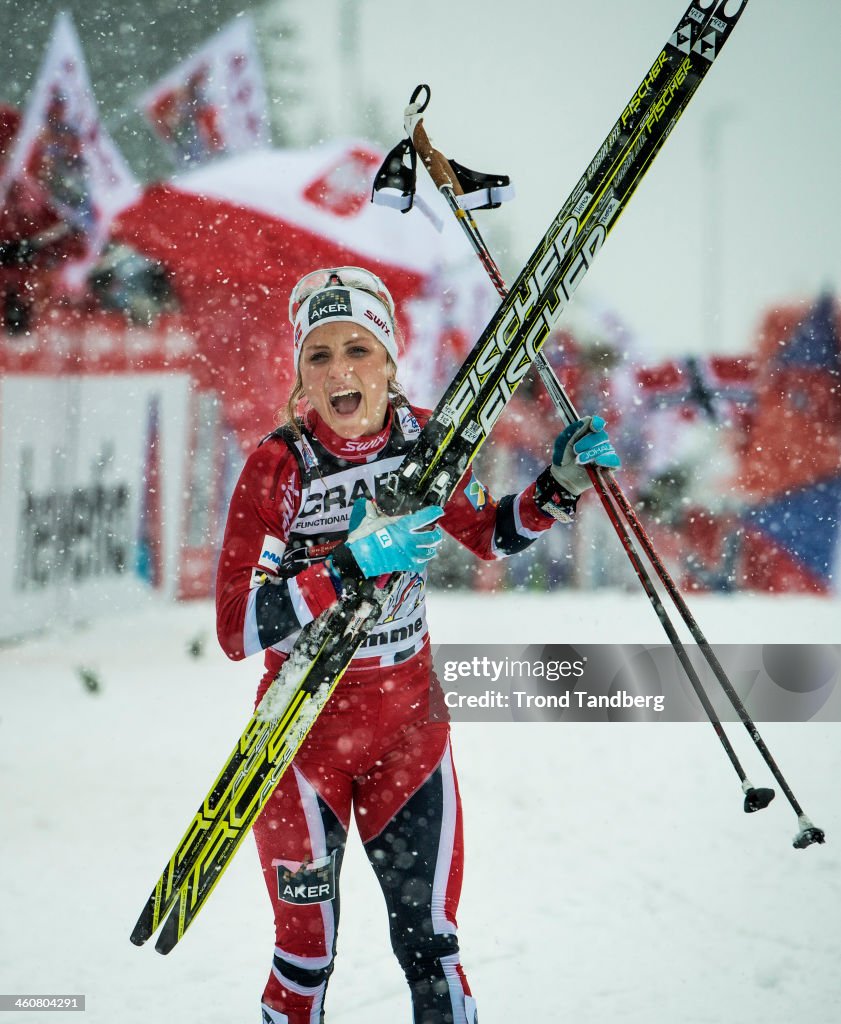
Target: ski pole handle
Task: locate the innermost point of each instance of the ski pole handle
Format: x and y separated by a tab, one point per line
436	163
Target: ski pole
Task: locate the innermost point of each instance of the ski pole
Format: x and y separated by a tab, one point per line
448	185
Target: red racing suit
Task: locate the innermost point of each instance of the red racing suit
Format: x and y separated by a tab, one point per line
381	745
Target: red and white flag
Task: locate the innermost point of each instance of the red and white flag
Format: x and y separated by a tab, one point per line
63	153
213	103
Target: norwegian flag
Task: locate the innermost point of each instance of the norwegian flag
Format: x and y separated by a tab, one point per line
798	418
214	103
792	467
686	401
63	154
712	387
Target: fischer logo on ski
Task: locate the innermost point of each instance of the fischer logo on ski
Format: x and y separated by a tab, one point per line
552	306
646	87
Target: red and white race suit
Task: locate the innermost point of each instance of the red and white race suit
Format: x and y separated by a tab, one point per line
381	745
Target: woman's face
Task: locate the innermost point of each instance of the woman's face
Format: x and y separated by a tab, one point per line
345	373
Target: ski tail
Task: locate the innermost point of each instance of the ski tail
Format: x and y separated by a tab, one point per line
188	851
320	659
232	827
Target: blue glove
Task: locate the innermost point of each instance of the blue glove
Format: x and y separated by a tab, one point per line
384	544
583	443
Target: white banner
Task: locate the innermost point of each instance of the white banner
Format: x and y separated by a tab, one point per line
91	504
64	152
213	103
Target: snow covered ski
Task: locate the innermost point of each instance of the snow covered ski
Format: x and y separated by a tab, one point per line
444	450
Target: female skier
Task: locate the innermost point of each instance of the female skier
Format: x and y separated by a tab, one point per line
303	526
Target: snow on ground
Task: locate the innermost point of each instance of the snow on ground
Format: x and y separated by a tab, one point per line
611	874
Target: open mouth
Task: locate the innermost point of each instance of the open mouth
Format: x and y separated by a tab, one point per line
346	402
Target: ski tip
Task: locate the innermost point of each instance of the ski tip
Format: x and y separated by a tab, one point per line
137	937
756	799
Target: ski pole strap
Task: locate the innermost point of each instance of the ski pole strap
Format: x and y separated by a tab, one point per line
395	184
481	191
399	176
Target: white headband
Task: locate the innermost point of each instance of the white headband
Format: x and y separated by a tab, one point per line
337	304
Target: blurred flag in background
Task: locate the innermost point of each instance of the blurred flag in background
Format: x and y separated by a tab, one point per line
62	156
214	103
792	468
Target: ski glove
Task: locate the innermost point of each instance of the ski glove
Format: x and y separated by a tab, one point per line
378	544
583	443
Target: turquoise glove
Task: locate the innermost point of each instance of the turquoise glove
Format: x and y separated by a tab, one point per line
583	443
384	544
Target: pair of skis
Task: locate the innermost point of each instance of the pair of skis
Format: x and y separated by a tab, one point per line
445	448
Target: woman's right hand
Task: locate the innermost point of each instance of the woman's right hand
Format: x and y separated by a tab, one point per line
380	544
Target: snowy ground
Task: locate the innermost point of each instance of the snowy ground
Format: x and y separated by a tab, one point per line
611	874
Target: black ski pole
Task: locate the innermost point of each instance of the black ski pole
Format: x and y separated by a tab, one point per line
608	488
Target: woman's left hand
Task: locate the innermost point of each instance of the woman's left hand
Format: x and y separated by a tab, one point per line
583	443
